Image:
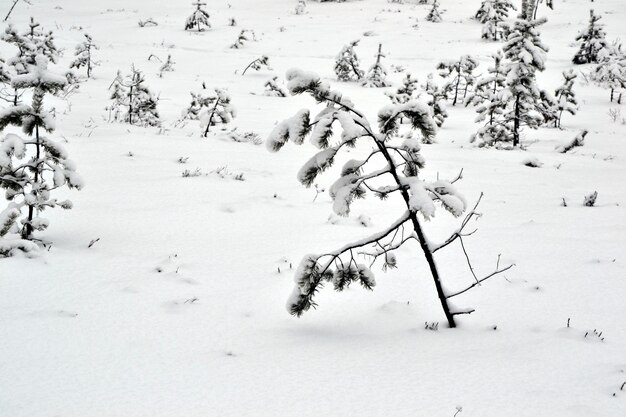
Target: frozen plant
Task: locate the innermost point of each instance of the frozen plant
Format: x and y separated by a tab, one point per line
377	75
459	75
611	71
592	41
274	89
199	19
347	63
244	36
590	200
300	7
399	161
494	21
243	137
218	111
434	15
84	56
167	66
133	102
405	92
32	167
257	64
437	101
579	140
565	97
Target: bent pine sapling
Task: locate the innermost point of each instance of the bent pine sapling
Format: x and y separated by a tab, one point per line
391	158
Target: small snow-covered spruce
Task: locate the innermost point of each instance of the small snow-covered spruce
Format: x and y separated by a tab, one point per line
347	63
219	111
42	41
405	92
437	101
526	55
611	71
495	27
400	163
434	15
199	19
274	89
133	102
168	66
590	200
565	97
547	107
300	7
244	36
257	64
484	11
84	56
579	140
377	75
490	104
31	168
592	40
459	75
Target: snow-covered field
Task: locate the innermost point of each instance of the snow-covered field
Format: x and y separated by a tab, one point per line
179	308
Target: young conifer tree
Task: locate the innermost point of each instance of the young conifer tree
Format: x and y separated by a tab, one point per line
495	27
84	55
347	63
219	111
393	158
526	55
434	15
611	71
32	167
199	19
592	40
437	101
377	75
460	76
405	92
565	97
274	89
133	102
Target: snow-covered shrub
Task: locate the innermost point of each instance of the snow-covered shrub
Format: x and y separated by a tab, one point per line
610	73
437	101
347	63
592	40
377	74
579	140
84	57
565	97
199	19
493	15
274	89
434	15
459	75
167	66
590	200
211	108
244	36
133	102
391	157
405	92
32	167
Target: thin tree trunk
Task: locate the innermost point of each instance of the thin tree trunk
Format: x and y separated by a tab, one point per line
516	122
11	10
208	125
27	231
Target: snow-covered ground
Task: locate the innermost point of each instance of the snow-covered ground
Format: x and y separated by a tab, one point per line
179	308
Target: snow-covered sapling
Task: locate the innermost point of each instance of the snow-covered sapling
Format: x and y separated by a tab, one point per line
434	15
459	75
579	140
220	110
199	19
257	64
244	36
590	200
377	75
565	97
133	102
401	163
548	108
347	63
32	167
84	57
274	89
592	40
437	101
405	92
611	71
494	20
167	66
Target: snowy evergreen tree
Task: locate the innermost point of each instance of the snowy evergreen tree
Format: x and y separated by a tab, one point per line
31	168
199	19
459	75
133	102
490	105
526	55
405	92
547	107
611	71
220	110
592	41
565	97
434	15
84	56
377	75
244	36
274	89
391	157
347	63
42	42
495	27
485	10
437	101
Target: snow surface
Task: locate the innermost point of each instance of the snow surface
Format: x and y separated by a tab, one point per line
178	308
